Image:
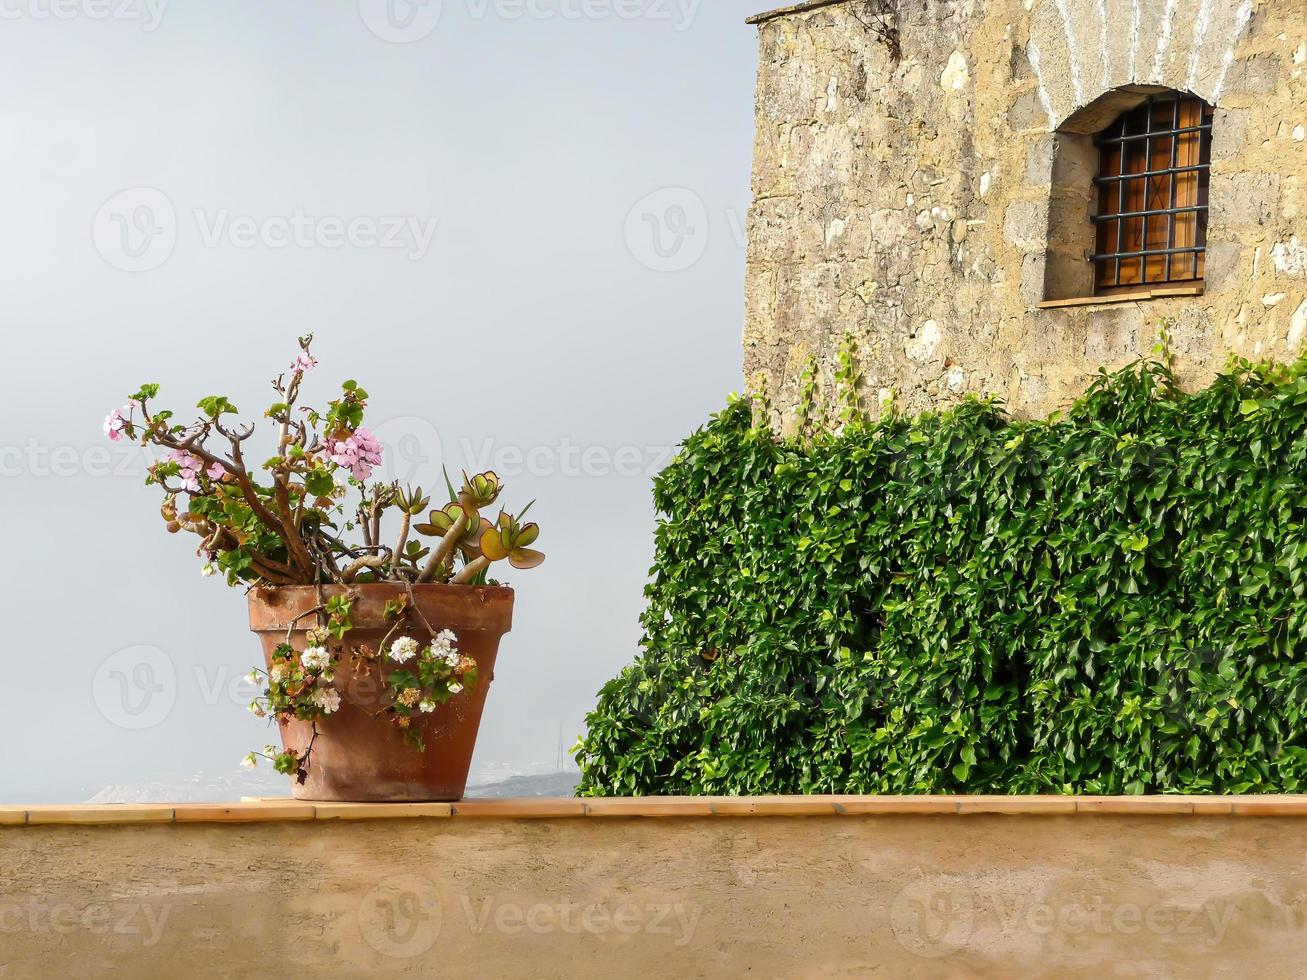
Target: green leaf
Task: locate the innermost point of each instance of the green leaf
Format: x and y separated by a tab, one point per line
214	406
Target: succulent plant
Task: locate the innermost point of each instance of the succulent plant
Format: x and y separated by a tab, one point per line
512	540
479	491
507	538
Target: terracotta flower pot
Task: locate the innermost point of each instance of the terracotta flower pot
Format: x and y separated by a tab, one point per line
360	755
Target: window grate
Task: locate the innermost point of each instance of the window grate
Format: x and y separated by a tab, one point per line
1153	168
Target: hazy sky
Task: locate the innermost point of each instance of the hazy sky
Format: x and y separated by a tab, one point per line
518	223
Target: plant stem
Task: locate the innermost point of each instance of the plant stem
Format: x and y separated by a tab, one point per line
367	561
404	520
445	549
471	570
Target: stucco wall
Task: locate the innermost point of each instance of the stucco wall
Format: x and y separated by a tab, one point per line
907	200
902	896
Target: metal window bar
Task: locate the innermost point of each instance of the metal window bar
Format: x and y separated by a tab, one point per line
1120	203
1140	253
1116	138
1183	209
1179	131
1164	172
1148	162
1175	185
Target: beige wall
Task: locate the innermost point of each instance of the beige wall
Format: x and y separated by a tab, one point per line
887	896
908	201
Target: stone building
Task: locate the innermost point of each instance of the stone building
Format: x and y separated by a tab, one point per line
1000	196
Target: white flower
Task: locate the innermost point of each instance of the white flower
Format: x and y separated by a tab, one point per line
315	658
455	688
452	658
328	699
252	677
442	645
249	762
207	570
427	707
404	649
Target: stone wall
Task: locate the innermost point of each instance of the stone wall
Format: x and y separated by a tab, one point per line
905	195
1162	893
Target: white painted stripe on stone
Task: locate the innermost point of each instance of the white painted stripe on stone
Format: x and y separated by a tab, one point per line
1163	40
1102	39
1032	52
1073	52
1202	24
1134	41
1241	19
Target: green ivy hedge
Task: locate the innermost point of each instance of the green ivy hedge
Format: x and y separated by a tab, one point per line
1107	602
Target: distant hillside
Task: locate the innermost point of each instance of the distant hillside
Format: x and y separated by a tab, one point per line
548	784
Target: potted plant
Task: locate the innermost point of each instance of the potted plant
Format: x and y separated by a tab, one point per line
378	651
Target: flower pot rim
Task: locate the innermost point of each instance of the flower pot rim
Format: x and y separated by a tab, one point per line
421	587
476	607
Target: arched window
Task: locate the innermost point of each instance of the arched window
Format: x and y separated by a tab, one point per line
1151	220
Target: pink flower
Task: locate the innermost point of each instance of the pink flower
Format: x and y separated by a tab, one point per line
189	468
305	362
359	453
116	421
216	471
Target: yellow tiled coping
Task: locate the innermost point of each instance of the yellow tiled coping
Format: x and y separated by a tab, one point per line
539	808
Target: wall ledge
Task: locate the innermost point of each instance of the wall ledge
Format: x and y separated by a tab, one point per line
794	8
268	810
1134	296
